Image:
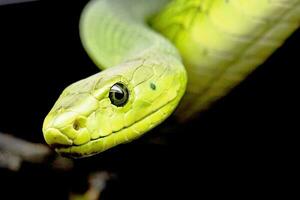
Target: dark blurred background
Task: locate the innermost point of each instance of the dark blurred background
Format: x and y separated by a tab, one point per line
232	150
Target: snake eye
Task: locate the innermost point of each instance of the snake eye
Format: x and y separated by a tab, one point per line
118	94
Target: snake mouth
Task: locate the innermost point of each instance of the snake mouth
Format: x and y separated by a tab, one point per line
56	138
126	134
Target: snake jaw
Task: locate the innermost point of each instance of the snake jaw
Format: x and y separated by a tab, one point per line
57	138
125	134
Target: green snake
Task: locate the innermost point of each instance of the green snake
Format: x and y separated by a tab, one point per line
158	55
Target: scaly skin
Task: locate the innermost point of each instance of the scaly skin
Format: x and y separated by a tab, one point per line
220	42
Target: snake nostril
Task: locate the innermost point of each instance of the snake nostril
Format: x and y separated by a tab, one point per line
77	125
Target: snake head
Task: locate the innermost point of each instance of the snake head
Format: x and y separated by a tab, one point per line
111	107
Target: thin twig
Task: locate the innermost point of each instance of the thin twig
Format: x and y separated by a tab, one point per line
5	2
97	183
13	151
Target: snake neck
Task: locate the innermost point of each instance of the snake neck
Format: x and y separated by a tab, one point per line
116	31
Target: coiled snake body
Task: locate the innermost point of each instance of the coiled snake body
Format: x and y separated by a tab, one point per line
155	54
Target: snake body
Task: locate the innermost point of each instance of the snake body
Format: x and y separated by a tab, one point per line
221	42
214	44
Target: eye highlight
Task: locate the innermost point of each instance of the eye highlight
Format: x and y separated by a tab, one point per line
118	94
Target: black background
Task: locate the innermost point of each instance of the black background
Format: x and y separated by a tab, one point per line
238	148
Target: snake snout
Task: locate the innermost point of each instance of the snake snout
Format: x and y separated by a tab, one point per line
66	129
56	138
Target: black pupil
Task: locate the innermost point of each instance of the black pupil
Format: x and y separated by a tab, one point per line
118	94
